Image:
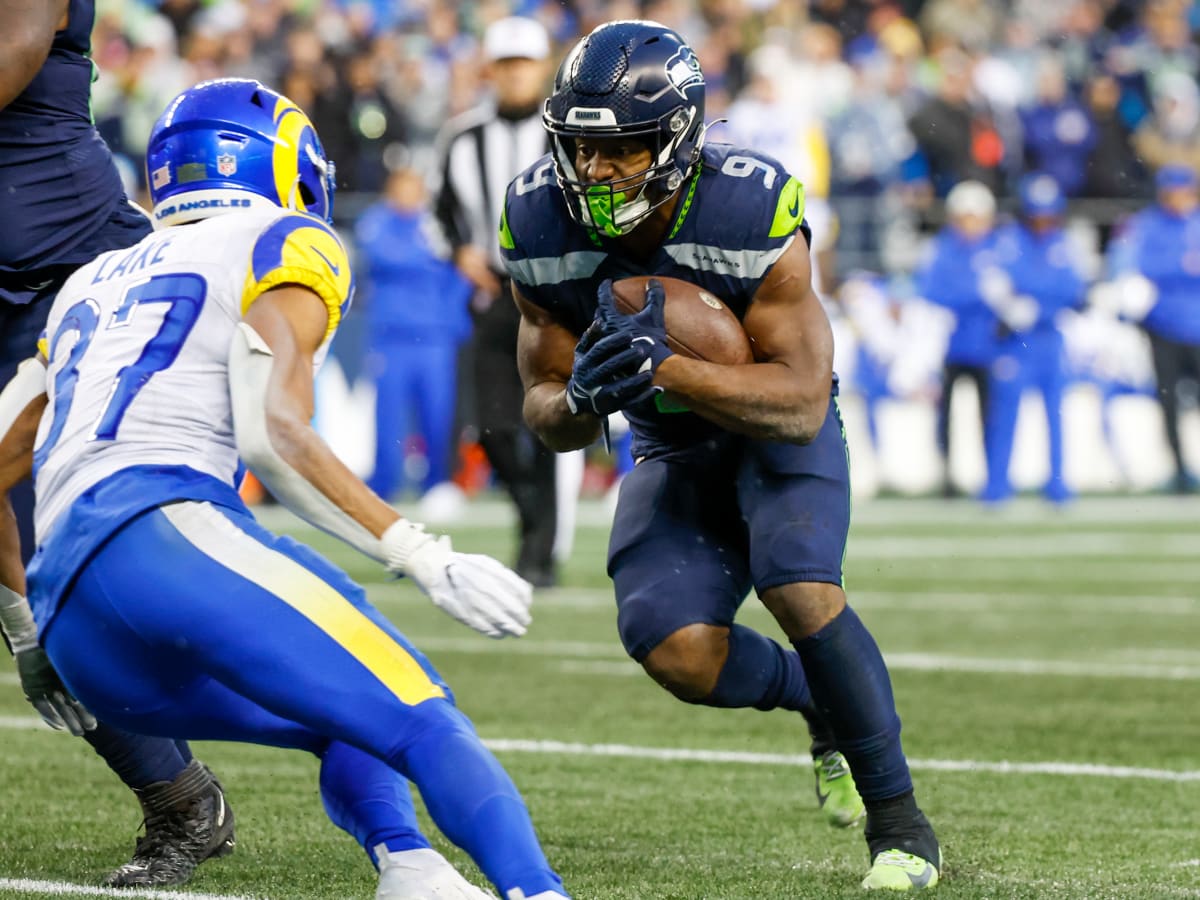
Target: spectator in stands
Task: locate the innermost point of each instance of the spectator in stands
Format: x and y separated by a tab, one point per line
955	276
974	24
1059	134
1080	40
955	131
373	126
1155	261
1113	170
153	75
871	151
1171	135
1043	271
776	114
416	310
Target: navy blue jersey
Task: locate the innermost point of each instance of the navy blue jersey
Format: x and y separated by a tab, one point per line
57	179
737	215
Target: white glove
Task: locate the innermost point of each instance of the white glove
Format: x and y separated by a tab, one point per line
995	286
475	589
1138	295
1020	312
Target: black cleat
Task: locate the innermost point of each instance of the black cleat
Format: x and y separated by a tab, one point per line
187	821
898	825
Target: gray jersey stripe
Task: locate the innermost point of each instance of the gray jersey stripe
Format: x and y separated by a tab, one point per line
547	271
723	261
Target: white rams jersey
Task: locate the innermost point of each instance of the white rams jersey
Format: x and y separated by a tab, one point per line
138	347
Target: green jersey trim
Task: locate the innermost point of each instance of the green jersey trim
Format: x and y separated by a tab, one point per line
789	210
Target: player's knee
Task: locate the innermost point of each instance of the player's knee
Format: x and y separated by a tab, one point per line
412	726
688	661
804	608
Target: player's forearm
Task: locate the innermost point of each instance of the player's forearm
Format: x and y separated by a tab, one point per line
12	572
277	443
762	400
303	450
547	414
21	404
26	33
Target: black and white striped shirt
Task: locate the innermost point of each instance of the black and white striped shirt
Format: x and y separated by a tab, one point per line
481	152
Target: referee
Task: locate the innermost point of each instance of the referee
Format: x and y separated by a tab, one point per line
481	152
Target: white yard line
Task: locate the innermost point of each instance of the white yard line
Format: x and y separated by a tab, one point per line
908	600
925	662
1016	546
614	661
932	662
680	754
30	886
1119	512
23	723
674	754
942	570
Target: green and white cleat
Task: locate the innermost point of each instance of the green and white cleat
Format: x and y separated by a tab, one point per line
836	793
895	870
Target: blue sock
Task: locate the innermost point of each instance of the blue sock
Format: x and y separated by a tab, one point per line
139	761
760	673
185	752
850	685
472	799
369	800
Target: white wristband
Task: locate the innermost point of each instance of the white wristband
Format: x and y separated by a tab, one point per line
17	620
402	538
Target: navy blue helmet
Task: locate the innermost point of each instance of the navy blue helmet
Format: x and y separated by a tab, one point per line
628	79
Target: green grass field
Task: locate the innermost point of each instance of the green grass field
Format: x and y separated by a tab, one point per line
1046	665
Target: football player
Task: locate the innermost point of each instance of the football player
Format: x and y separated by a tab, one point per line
160	367
59	182
741	478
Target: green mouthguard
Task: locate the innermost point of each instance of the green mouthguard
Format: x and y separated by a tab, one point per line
603	204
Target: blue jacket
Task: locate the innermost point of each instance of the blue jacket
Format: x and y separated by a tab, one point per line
1165	248
412	293
1046	268
951	277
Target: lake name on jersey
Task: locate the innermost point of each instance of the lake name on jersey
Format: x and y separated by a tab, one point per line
134	261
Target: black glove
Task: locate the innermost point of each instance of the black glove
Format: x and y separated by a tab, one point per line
645	331
607	376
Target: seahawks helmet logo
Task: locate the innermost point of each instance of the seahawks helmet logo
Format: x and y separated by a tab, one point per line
683	70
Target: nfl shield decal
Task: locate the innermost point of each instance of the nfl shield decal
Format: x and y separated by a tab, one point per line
226	163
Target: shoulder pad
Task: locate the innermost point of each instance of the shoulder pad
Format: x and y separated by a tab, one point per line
301	249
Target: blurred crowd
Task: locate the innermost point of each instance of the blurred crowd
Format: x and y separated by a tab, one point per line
865	98
881	107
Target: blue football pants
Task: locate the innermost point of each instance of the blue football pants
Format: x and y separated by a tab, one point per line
193	621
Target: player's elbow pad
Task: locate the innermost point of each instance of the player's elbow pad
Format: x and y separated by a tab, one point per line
250	365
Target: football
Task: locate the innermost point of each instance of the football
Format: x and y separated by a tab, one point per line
699	325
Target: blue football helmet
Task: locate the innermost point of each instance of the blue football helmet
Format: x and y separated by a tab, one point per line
234	143
635	79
